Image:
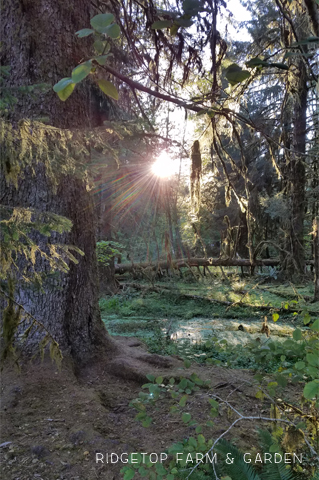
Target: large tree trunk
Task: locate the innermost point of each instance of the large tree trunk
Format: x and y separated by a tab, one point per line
40	46
297	172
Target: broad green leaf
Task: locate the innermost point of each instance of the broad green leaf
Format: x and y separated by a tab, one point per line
81	71
129	474
99	22
109	89
297	334
213	403
171	381
161	24
99	46
101	60
315	325
300	365
62	84
66	92
150	377
186	417
256	62
306	318
143	472
170	476
192	442
313	359
112	31
85	32
174	29
184	22
183	401
187	363
235	74
159	380
282	66
311	389
275	317
201	439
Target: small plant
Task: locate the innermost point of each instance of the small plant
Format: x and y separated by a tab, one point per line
107	250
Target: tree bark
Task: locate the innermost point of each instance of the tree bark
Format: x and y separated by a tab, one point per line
298	173
40	46
316	256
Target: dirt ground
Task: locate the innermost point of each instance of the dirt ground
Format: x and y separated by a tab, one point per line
53	422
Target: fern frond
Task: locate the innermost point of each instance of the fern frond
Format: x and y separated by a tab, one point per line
239	469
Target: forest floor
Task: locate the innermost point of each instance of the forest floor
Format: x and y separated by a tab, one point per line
53	422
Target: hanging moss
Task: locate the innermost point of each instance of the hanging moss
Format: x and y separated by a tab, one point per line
196	171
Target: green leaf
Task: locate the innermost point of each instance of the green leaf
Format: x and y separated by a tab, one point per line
184	22
150	377
315	326
300	365
235	74
101	60
174	29
113	31
161	24
99	46
81	71
192	442
213	403
256	62
129	474
187	363
170	476
159	380
171	381
313	359
306	318
275	317
311	390
297	334
282	66
199	429
201	439
85	32
108	88
183	401
101	21
143	472
62	84
66	92
186	417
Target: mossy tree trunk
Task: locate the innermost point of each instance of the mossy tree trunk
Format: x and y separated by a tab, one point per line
39	44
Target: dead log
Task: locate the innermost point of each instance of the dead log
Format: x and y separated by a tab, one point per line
195	262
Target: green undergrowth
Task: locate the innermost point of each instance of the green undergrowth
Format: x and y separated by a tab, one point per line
172	302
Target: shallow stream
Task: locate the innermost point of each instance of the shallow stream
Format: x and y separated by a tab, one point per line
199	329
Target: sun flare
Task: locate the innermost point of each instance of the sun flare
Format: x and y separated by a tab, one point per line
164	166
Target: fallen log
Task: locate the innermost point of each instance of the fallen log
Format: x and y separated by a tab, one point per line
198	262
194	262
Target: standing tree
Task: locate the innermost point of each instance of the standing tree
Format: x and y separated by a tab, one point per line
39	45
